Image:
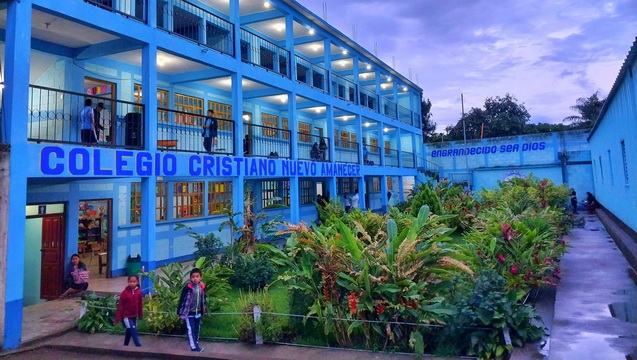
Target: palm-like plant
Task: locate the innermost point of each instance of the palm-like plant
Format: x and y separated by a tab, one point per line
588	109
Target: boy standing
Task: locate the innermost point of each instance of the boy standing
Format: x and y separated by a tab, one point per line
192	306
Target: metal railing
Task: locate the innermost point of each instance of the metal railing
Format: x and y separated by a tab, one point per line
391	157
426	165
389	108
344	89
54	116
311	74
183	132
408	159
261	52
347	152
405	115
194	23
314	147
368	98
135	9
265	141
371	155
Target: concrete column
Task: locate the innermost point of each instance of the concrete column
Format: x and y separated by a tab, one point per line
149	183
401	189
295	196
289	44
151	13
13	218
383	195
235	18
329	119
237	112
399	141
381	142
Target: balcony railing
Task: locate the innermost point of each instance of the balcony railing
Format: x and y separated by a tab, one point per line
182	132
405	115
417	120
347	152
196	24
344	89
135	9
408	159
368	98
426	165
389	108
265	141
313	147
391	157
311	74
371	155
54	116
261	52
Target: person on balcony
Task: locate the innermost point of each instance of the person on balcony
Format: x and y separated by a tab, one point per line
209	134
314	153
322	150
247	145
87	121
97	114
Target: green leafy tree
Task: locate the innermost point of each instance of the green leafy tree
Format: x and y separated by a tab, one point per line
501	116
588	109
428	126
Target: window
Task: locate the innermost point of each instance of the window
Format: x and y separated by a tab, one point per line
624	162
601	169
275	192
345	139
387	148
336	143
162	101
271	121
188	200
219	196
610	167
353	143
376	184
285	126
136	202
190	105
374	145
304	128
222	111
345	185
390	184
306	188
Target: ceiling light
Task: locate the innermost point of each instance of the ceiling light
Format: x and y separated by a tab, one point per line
388	78
344	52
266	4
383	86
367	124
279	27
246	117
368	67
385	129
283	98
316	47
343	63
405	88
161	61
312	32
364	75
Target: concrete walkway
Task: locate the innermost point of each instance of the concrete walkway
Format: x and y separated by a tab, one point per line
49	319
594	275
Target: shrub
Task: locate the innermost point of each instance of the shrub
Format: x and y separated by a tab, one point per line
252	272
269	326
426	196
100	314
207	246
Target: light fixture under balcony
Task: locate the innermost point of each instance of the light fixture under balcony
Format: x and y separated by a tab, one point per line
311	31
388	78
280	27
405	88
368	67
344	52
266	4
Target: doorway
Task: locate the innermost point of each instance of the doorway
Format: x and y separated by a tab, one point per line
108	90
94	235
44	252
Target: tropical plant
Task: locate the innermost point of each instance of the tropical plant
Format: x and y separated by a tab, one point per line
252	271
207	245
426	196
100	313
588	109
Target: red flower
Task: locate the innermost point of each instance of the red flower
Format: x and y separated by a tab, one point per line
547	260
563	242
501	258
543	184
544	203
527	276
507	232
479	252
514	269
380	309
353	302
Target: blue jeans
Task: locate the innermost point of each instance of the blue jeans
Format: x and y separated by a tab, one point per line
193	325
130	324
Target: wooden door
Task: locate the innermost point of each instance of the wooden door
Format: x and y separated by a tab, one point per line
52	259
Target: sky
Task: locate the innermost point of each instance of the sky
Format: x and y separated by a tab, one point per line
547	53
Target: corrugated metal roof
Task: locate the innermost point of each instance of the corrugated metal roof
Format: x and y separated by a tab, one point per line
630	59
329	28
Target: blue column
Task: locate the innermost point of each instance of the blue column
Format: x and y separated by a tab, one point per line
235	18
289	44
237	112
361	180
151	13
381	142
399	147
401	189
149	183
329	119
295	196
15	112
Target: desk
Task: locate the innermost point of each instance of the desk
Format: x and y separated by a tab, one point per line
101	263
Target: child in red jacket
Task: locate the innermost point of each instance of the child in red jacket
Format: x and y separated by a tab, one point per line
130	308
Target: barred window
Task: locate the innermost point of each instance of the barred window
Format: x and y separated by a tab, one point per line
275	192
285	126
345	139
336	142
161	200
219	196
625	162
390	184
304	128
222	111
345	185
306	188
376	184
387	148
374	145
271	121
162	101
190	105
188	200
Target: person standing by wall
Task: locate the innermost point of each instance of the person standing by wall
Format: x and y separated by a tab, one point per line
574	201
209	133
97	115
355	200
347	201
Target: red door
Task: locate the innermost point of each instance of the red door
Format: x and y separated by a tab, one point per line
52	261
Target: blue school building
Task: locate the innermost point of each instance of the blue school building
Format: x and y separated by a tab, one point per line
302	111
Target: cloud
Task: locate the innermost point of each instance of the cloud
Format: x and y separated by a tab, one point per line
546	53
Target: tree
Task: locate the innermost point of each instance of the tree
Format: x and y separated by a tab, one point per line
588	109
501	116
428	126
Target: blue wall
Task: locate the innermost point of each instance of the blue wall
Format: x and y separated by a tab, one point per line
614	170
